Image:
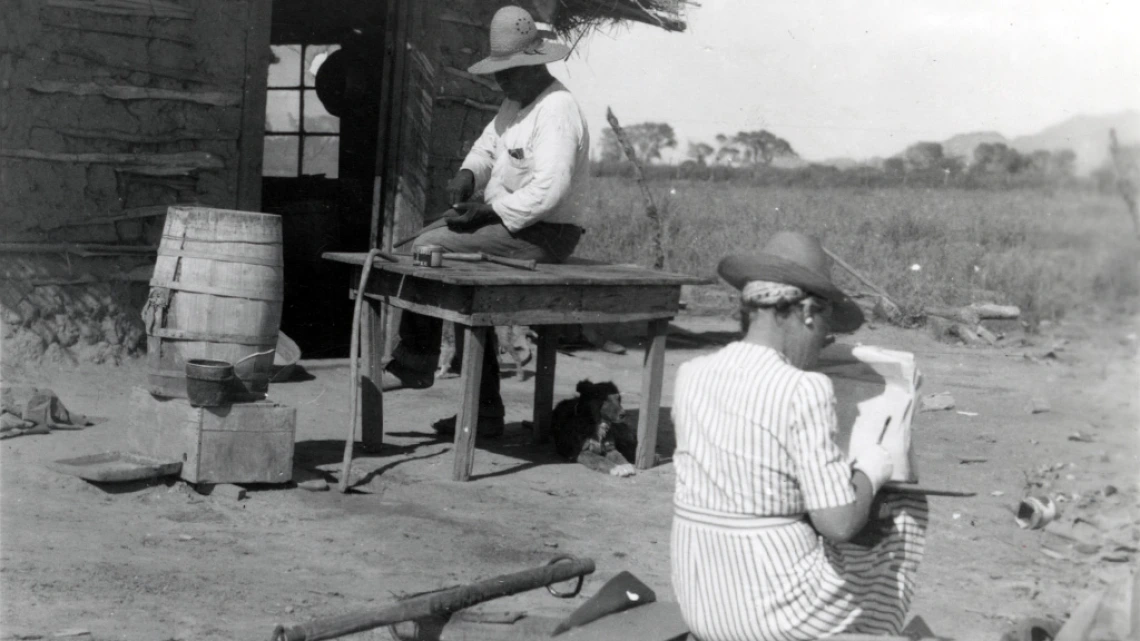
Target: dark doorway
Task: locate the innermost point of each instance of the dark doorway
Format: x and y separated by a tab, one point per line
322	112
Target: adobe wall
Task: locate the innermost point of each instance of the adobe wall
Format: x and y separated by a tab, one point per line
106	117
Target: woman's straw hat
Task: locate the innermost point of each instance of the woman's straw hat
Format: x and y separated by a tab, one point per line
517	42
795	259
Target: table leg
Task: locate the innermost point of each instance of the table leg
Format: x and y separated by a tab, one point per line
372	368
544	382
468	419
653	370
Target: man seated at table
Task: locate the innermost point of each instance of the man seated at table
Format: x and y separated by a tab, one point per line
532	164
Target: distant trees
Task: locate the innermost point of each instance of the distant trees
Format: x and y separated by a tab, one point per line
753	155
700	152
923	155
648	139
761	147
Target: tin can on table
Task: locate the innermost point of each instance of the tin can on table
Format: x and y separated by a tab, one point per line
427	255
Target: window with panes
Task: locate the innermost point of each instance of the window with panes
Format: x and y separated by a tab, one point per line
301	137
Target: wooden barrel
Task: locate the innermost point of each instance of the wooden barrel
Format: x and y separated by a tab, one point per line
216	293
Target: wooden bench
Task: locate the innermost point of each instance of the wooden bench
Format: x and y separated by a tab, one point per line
481	295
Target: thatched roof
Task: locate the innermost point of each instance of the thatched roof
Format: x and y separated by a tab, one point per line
571	16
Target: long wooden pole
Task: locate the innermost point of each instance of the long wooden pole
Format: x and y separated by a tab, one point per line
436	604
650	206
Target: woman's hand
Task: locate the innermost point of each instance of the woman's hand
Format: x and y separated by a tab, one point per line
872	468
875	462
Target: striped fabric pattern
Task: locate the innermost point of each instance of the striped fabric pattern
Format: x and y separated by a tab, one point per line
755	439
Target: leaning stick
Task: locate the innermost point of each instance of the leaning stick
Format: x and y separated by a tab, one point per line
354	367
650	207
890	306
435	604
863	279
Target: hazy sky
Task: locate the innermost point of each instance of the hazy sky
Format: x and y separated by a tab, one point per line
864	78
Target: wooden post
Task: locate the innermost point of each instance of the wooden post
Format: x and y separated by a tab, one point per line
371	397
467	421
544	381
252	140
652	372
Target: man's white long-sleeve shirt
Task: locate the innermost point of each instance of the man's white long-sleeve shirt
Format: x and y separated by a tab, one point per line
533	163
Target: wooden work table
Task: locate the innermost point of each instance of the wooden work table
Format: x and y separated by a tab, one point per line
481	295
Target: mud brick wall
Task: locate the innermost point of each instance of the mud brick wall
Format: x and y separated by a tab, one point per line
109	112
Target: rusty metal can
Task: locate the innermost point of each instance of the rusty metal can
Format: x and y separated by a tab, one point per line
427	255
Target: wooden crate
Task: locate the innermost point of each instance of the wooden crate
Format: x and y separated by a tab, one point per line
240	443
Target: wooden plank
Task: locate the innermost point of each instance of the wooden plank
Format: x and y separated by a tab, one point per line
420	291
386	134
66	54
245	457
252	140
652	372
474	104
538	317
131	92
125	31
554	300
143	8
395	131
482	81
544	382
521	318
78	249
484	273
372	365
468	419
182	162
133	213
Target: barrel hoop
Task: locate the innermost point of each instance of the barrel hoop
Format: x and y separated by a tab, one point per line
221	258
215	291
227	241
211	337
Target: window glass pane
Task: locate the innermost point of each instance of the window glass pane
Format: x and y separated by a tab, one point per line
285	66
321	155
314	57
317	119
282	110
280	156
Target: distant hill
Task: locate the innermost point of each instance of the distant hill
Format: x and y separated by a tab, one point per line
1086	135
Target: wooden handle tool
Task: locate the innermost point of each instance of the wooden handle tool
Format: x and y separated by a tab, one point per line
435	603
519	263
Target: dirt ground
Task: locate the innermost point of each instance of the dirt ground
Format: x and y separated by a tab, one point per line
159	561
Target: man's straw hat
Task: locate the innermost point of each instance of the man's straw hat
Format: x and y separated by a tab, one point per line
795	259
517	42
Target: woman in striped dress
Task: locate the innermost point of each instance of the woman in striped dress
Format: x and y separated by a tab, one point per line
773	531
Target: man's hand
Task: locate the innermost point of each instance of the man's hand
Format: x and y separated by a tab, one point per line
460	188
472	216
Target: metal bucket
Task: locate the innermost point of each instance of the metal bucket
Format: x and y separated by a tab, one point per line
208	382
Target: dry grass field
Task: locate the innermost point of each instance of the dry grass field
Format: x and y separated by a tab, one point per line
1051	253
